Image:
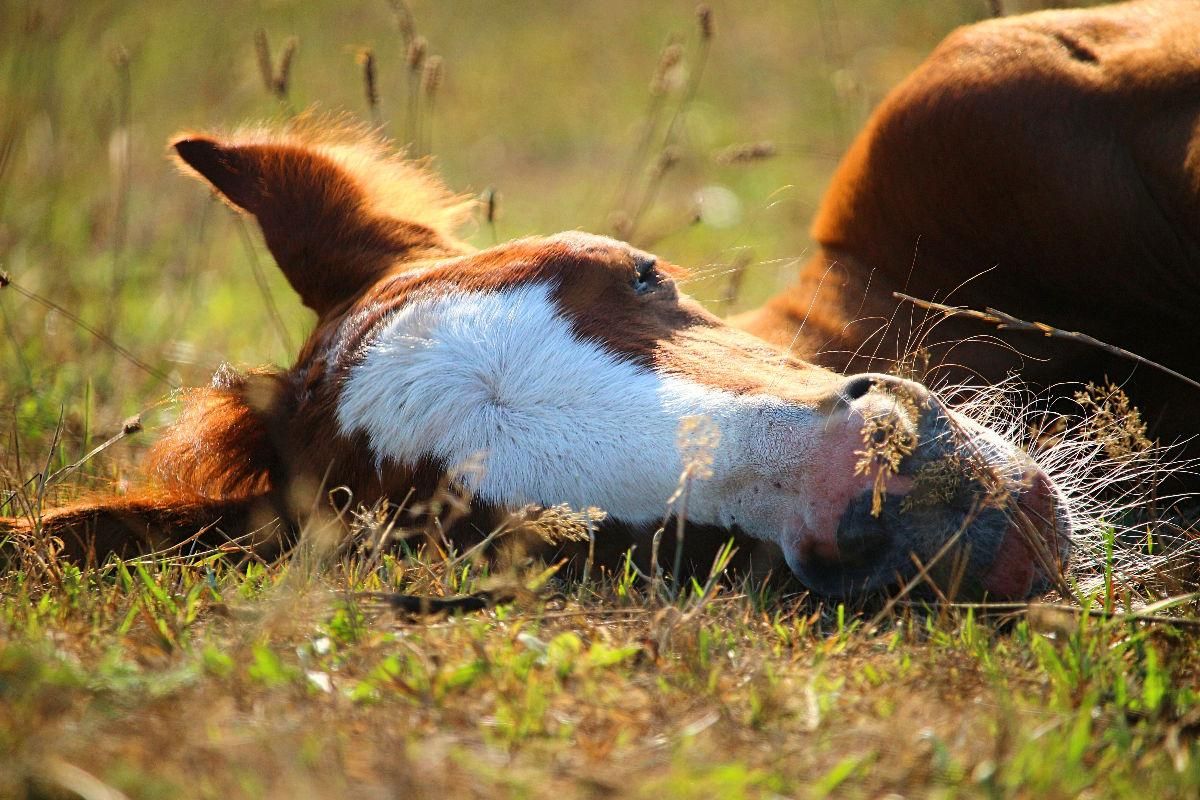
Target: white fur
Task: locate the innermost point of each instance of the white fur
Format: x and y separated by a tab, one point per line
501	376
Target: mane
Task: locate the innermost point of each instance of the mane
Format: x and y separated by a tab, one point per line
220	445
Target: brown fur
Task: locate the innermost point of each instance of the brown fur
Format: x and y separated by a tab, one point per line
1047	165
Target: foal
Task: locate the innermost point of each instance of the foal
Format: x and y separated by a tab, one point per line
568	365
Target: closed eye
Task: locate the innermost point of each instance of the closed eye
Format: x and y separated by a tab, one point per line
648	277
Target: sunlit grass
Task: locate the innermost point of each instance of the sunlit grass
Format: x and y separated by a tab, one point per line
220	677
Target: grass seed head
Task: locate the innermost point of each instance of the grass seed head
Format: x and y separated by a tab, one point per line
416	53
558	524
936	484
745	153
1113	421
283	75
887	440
698	437
704	16
431	79
366	59
668	73
262	52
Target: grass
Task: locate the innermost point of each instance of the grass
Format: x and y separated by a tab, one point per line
199	679
229	678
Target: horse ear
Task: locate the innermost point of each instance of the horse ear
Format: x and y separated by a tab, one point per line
336	215
225	168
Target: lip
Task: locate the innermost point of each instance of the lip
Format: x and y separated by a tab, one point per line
1036	546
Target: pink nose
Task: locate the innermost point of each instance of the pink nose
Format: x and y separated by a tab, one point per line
979	515
1036	545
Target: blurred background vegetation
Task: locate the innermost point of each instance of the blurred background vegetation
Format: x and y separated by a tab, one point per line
544	103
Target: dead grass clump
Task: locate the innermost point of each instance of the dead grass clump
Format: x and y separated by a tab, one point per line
888	439
1111	420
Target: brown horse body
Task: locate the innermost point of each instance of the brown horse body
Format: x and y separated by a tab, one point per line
1046	165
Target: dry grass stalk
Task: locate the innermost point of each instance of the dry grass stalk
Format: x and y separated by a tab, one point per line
122	155
704	17
264	288
277	81
266	65
697	439
414	58
283	75
129	427
746	152
670	150
6	282
667	76
405	21
1005	321
431	80
431	77
366	59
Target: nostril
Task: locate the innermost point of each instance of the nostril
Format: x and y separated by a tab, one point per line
858	386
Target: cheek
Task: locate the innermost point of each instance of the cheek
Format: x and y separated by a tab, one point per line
804	499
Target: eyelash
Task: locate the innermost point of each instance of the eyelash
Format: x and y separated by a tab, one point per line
648	278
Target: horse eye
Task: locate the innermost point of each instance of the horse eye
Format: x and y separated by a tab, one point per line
647	278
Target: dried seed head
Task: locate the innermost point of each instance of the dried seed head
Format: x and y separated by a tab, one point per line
620	224
490	200
667	159
936	484
704	16
886	442
284	75
743	153
120	57
666	74
404	20
366	58
416	53
132	425
4	280
1112	421
262	51
431	80
698	438
558	524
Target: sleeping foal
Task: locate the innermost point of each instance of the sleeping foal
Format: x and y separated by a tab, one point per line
567	367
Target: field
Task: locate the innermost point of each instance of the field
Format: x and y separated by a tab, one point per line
225	676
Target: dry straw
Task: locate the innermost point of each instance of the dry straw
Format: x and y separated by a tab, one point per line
1005	321
366	59
277	81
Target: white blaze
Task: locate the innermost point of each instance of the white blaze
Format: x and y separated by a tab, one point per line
555	419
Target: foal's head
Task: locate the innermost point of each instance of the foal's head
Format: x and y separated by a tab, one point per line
572	369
